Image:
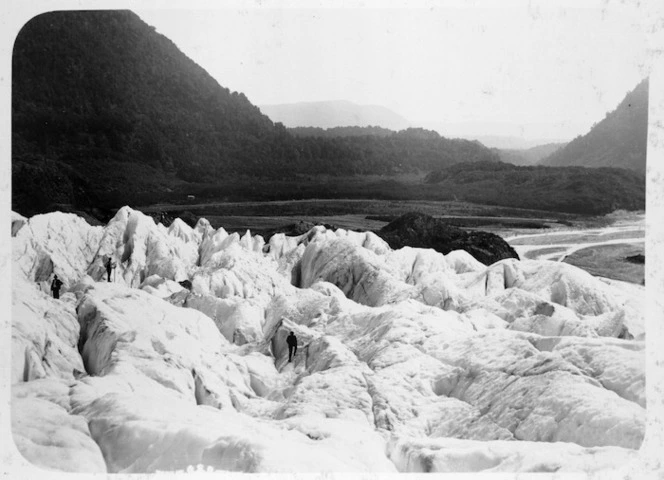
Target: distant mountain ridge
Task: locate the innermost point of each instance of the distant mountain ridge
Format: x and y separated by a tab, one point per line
529	156
341	132
511	143
619	140
495	134
336	113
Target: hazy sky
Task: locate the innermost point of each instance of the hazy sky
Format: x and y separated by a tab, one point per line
545	73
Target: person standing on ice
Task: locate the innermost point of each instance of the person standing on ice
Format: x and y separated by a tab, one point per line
291	340
56	284
110	265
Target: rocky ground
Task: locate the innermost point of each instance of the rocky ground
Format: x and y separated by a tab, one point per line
409	360
424	231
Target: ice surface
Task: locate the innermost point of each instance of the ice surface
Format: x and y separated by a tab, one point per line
60	243
407	360
452	455
45	335
48	436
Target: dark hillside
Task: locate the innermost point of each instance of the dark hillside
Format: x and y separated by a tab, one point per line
96	93
563	189
619	140
104	109
104	85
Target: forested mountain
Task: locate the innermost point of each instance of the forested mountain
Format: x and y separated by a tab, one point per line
528	156
104	107
619	140
373	150
101	82
102	102
330	114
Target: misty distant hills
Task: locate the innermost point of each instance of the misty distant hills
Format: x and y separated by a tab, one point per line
504	142
619	140
494	134
529	156
339	113
341	132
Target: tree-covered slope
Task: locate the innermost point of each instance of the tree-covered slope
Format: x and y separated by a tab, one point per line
619	140
104	106
104	85
594	191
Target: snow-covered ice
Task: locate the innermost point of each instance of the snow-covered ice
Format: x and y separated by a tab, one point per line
408	360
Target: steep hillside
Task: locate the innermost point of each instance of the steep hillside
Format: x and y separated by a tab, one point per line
529	156
104	82
106	110
331	114
97	90
619	140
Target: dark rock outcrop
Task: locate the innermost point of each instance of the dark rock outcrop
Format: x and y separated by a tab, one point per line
424	231
639	259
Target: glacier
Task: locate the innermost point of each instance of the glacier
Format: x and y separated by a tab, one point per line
408	360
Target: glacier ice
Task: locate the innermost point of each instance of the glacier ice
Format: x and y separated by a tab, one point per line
408	360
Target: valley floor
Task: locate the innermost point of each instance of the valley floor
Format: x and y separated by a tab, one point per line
599	245
600	251
361	213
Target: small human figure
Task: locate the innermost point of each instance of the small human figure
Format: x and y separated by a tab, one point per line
110	265
291	340
56	284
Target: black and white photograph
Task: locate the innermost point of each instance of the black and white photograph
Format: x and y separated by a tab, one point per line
333	238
